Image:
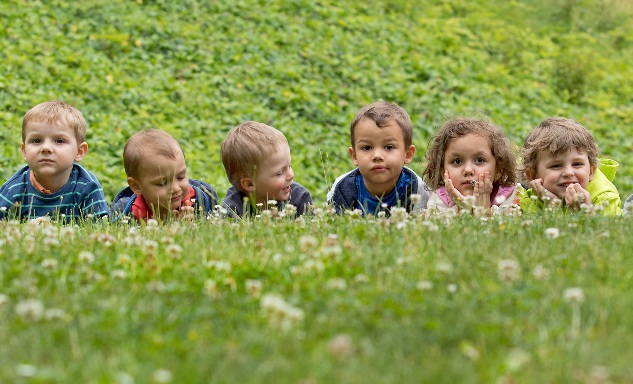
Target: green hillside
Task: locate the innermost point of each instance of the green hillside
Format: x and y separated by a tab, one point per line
196	69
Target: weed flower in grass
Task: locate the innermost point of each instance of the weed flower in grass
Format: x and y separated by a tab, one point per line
540	273
552	233
86	257
508	270
280	314
30	309
55	314
253	287
424	285
118	274
26	370
574	295
174	251
219	265
337	284
445	268
211	288
341	346
4	299
49	264
162	376
451	288
307	243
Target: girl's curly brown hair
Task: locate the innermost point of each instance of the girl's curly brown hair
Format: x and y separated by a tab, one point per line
501	148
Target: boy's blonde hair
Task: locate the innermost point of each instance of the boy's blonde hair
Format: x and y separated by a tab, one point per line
381	113
59	113
148	142
557	135
500	146
246	146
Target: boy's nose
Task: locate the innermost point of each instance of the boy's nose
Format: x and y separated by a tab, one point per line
291	174
568	171
377	155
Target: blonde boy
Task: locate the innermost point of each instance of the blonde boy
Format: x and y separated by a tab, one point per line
381	137
158	186
256	158
560	160
53	183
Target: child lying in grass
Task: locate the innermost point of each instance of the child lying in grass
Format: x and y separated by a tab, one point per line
560	160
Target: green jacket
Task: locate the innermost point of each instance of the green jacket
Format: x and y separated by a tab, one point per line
600	188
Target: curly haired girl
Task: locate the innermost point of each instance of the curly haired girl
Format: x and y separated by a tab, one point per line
470	157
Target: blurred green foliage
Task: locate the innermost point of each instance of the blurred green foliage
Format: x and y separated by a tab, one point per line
196	69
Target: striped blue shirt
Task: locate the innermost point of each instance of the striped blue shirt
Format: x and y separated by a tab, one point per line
81	196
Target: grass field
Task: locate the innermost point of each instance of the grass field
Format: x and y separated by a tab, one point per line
317	300
322	299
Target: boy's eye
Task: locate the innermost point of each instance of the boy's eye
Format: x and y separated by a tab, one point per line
365	147
554	166
389	147
59	141
579	164
36	141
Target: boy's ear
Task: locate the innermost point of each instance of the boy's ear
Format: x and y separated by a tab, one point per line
23	152
592	171
82	149
247	184
408	156
134	186
352	154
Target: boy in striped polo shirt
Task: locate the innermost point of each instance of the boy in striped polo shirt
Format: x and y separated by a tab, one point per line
52	183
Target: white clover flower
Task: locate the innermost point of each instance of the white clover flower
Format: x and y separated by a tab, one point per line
307	243
211	288
516	359
55	314
30	309
451	288
277	258
3	209
26	370
156	286
381	214
49	264
86	257
219	265
469	351
508	270
271	202
123	259
150	246
119	274
152	223
574	295
500	199
446	268
67	232
540	273
280	314
4	299
337	284
253	287
424	285
552	233
416	198
341	346
404	260
162	376
355	213
174	250
361	278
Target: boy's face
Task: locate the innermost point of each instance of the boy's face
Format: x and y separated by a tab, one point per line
50	150
465	159
561	170
273	177
162	182
380	153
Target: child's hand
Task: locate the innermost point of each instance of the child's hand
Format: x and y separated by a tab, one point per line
539	189
452	191
185	213
482	191
575	195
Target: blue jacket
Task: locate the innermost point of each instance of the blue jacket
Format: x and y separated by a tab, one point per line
344	194
206	200
81	196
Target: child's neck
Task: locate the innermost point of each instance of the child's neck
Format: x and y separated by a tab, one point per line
50	184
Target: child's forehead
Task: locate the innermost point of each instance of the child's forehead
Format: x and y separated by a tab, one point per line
547	154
